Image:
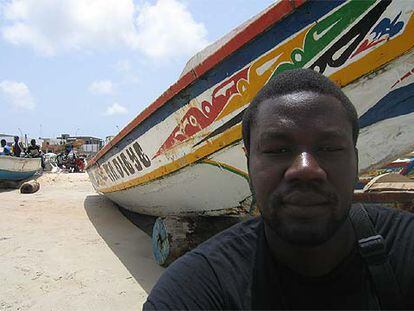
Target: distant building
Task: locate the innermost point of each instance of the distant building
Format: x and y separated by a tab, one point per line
52	145
90	146
87	145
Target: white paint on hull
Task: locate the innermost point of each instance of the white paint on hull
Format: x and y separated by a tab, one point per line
385	140
233	156
368	90
188	191
19	165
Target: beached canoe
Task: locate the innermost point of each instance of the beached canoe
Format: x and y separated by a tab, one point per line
16	169
183	154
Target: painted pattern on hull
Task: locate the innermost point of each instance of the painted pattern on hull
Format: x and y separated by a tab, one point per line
353	39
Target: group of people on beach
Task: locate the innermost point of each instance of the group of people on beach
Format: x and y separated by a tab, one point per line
18	150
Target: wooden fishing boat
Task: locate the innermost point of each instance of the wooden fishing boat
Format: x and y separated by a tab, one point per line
17	169
403	166
183	155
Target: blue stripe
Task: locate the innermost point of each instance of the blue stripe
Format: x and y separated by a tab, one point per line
302	17
9	175
396	103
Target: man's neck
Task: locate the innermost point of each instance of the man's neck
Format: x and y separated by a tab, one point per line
313	261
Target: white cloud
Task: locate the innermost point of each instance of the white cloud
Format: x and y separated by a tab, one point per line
114	109
17	94
167	29
162	30
101	87
52	26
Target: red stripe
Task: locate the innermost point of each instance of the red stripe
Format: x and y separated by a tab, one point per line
270	17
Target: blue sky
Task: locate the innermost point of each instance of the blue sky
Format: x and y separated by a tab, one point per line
89	67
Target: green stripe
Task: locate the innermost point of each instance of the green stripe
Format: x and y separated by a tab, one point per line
230	169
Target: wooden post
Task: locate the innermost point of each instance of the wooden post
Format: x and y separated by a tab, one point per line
30	186
173	236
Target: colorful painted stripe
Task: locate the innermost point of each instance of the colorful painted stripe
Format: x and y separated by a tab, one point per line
227	167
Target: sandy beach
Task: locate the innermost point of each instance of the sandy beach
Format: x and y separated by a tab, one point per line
67	248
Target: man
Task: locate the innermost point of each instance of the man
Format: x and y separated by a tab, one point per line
17	148
33	150
5	149
305	251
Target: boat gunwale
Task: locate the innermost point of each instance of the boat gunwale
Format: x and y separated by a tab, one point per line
264	20
19	158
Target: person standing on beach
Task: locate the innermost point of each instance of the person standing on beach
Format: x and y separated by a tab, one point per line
16	149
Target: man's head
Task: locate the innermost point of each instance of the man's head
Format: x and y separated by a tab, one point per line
3	142
33	142
300	133
16	139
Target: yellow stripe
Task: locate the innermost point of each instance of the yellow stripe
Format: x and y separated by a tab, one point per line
247	90
227	138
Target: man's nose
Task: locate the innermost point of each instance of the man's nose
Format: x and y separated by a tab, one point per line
305	168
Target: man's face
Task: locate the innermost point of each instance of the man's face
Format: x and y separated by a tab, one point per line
33	143
3	143
303	166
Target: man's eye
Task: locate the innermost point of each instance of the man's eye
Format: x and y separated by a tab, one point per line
330	148
282	150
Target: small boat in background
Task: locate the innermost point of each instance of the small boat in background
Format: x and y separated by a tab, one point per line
402	165
16	169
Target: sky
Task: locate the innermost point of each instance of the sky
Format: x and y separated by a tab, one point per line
88	67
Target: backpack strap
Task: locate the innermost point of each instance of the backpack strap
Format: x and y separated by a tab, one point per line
372	249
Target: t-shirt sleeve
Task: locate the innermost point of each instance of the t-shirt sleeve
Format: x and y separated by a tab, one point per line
189	283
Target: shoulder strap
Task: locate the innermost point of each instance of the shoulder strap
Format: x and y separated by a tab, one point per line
372	250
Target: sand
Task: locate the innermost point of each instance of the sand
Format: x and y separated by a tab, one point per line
67	248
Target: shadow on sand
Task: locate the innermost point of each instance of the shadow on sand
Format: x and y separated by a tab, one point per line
131	245
9	185
12	185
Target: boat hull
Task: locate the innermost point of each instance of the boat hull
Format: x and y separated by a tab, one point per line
189	192
15	169
184	153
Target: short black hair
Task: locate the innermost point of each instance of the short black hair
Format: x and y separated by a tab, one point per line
3	141
293	81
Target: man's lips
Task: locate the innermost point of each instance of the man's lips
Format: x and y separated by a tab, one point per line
308	198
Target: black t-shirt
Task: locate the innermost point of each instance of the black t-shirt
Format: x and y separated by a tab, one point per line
234	270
